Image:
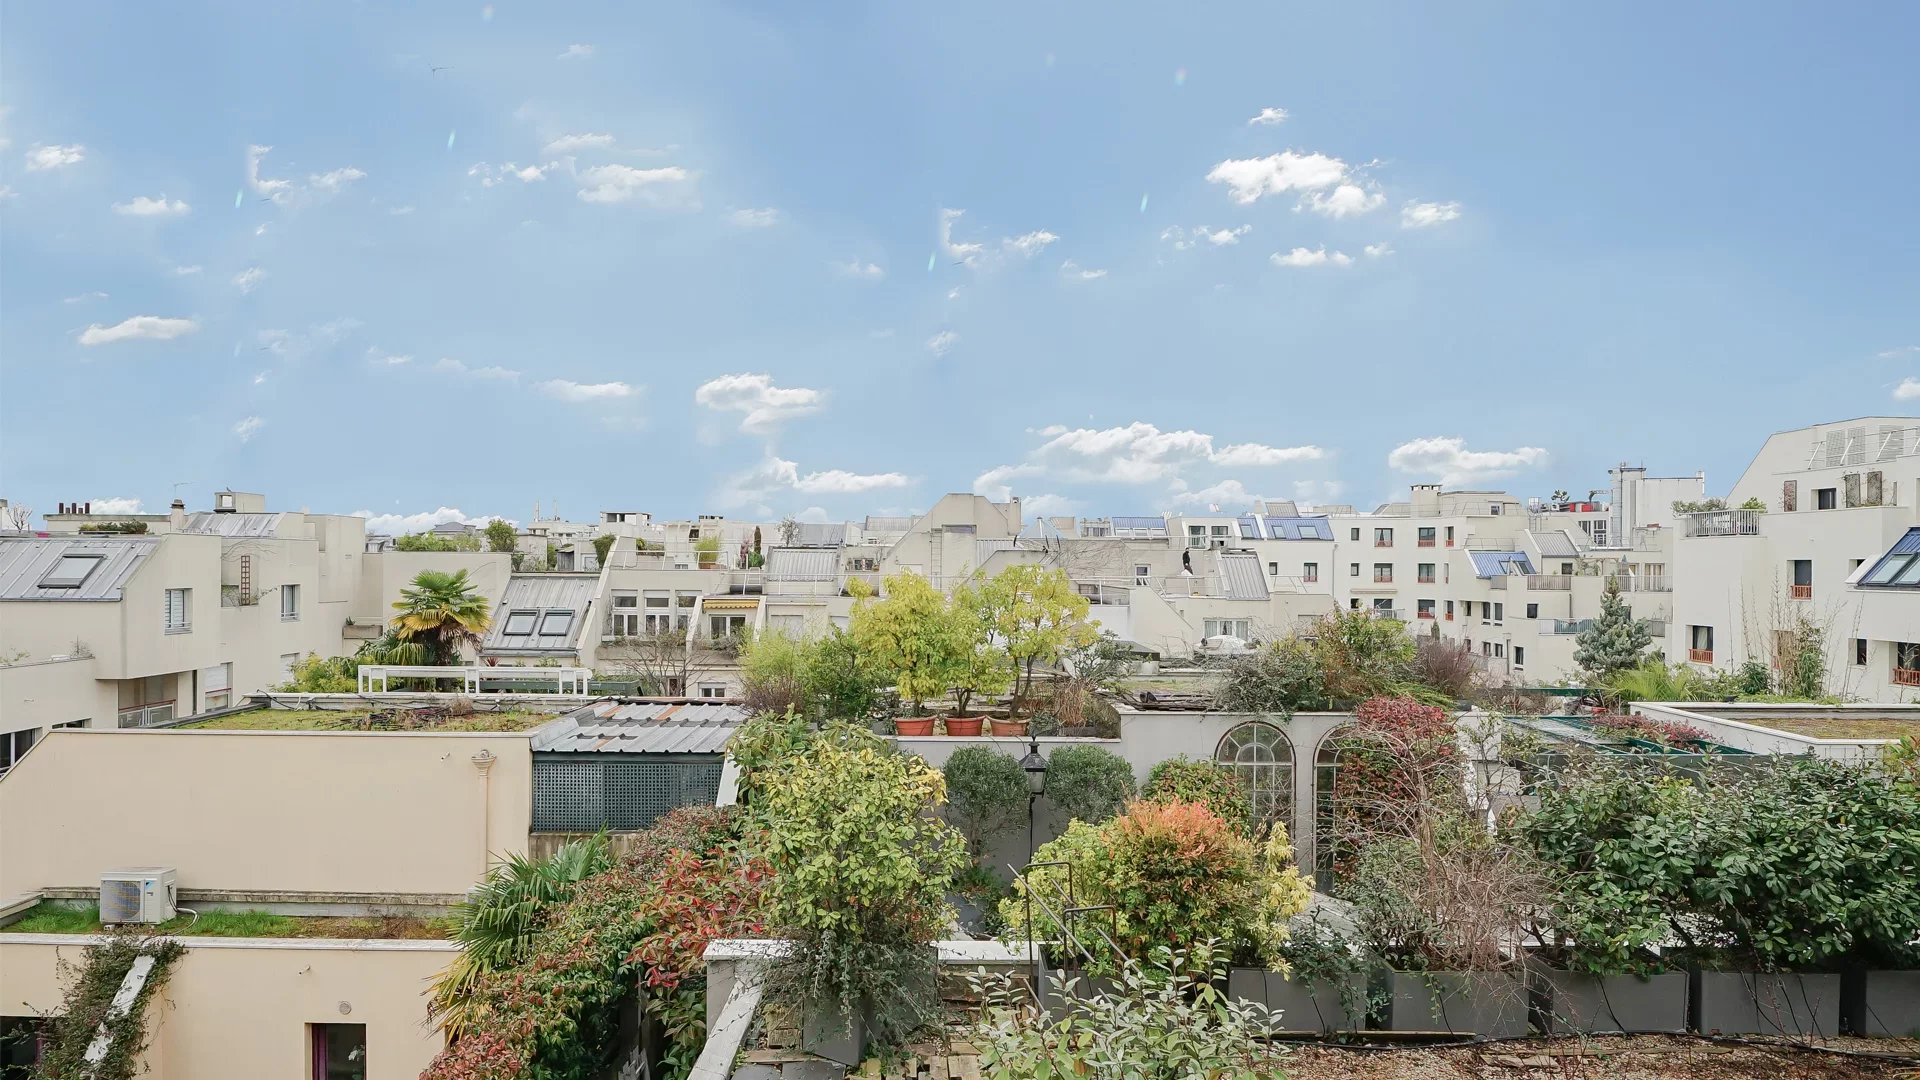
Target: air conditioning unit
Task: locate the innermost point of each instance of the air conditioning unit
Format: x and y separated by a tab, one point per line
137	894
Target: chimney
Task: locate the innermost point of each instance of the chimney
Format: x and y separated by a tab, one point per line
177	516
1426	500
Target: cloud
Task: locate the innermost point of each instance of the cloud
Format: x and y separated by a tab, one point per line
954	249
497	174
248	428
249	279
1226	236
151	327
1268	117
976	255
377	356
84	297
285	192
1183	239
841	482
573	144
567	390
1030	244
778	474
398	524
114	506
1136	454
265	188
619	183
854	268
142	206
290	346
765	405
1375	251
1345	201
943	342
755	219
260	378
183	271
1902	351
1073	271
454	367
1310	491
1449	459
1310	257
1426	214
1248	179
813	515
1227	494
576	52
1046	505
332	182
1908	390
42	158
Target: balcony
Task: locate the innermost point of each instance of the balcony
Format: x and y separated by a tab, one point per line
1906	676
1724	523
1550	582
1383	543
1568	626
1388	613
158	712
1700	656
1799	592
1645	583
1427	614
1428	542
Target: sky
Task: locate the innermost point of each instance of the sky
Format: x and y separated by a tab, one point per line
438	260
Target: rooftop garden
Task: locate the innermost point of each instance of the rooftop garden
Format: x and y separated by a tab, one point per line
1839	727
54	918
433	718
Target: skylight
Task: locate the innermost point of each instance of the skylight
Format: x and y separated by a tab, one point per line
70	572
519	624
556	623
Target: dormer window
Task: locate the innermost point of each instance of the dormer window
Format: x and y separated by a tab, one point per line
519	624
556	623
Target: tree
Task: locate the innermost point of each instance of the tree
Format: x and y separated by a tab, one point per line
1614	641
843	677
1279	677
602	545
708	548
661	663
914	635
431	541
983	667
773	670
443	612
500	535
1089	783
15	518
755	558
789	532
1036	615
1361	655
986	795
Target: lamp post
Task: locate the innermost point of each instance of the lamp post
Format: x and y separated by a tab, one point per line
1035	767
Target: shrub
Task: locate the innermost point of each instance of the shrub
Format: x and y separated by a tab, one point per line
1614	641
323	675
1194	780
986	794
85	1011
1089	783
1450	896
1397	763
773	670
602	545
1361	656
1665	732
1447	667
501	537
1281	677
843	677
431	541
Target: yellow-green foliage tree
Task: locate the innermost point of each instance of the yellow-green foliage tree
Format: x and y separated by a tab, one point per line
913	634
1035	615
983	666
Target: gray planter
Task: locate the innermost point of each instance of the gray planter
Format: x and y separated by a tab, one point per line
1487	1003
1746	1003
1319	1006
1883	1004
1583	1004
840	1038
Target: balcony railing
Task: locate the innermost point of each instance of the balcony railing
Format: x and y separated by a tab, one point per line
1497	581
158	712
1906	676
1488	543
1724	523
1550	582
1568	626
1428	542
1424	614
1388	613
1700	656
1643	582
1799	592
1383	543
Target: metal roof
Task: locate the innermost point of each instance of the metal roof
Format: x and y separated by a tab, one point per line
1554	544
1150	524
1488	564
820	534
1242	576
802	564
1299	528
1899	568
206	521
540	594
25	560
646	727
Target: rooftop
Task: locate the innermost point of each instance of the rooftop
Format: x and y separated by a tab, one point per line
368	720
540	614
645	727
1899	568
49	918
70	568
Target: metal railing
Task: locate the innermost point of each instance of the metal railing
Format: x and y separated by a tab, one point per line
1643	582
1862	447
1799	592
1906	676
158	712
1700	656
1724	523
1489	543
1568	626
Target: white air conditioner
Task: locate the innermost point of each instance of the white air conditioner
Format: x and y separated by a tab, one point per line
137	894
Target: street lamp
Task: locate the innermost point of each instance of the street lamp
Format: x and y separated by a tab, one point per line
1035	767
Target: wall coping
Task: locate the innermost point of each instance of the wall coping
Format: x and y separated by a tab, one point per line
297	944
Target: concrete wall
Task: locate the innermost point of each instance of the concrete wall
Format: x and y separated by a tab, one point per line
241	1008
275	811
40	695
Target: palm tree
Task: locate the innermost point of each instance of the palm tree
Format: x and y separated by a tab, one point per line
442	612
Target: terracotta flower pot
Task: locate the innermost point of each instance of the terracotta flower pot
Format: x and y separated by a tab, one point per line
1010	729
964	725
919	725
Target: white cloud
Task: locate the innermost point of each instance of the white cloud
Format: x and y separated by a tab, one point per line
813	515
841	482
376	355
454	367
399	210
954	249
567	390
1345	201
1449	459
1902	351
1248	179
84	297
497	174
1228	495
573	144
398	524
114	506
42	158
778	474
1183	239
1226	236
619	183
142	206
290	346
1136	454
248	428
1311	257
854	268
1375	251
1908	390
576	52
260	378
249	279
332	182
285	192
1049	504
766	406
183	271
941	343
151	327
265	188
1268	117
755	219
1074	271
1426	214
976	255
1030	244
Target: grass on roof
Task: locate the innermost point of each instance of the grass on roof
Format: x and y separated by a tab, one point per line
331	720
1838	727
62	919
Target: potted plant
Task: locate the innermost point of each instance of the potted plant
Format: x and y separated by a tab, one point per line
1008	728
1319	984
1034	616
981	666
913	634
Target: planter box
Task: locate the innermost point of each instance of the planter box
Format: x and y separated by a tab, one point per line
1467	1002
1581	1004
1883	1004
1746	1003
1318	1006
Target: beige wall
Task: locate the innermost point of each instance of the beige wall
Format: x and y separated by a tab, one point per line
240	1008
386	812
40	695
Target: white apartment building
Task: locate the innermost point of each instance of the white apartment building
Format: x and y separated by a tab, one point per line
105	629
1835	546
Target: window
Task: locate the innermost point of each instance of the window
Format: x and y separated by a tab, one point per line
1423	608
1499	650
1906	663
1142	573
556	623
216	687
1859	652
1468	609
793	626
724	626
1533	611
1354	534
1426	536
1382	606
683	618
1826	498
1354	603
1240	628
1262	760
339	1051
1382	571
1197	536
1494	509
1449	536
1486	648
70	572
1802	587
1566	569
1519	656
1353	569
13	745
624	619
179	614
1599	540
289	602
713	690
1310	571
1383	538
1700	644
1424	573
1449	610
1499	612
1790	495
519	623
1220	532
1273	569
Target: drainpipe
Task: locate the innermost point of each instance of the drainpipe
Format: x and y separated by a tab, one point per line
484	762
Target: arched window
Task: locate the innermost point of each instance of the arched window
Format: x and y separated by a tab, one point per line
1262	760
1326	764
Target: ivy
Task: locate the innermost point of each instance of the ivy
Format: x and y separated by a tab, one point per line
98	979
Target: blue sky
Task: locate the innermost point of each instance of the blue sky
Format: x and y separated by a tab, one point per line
779	258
